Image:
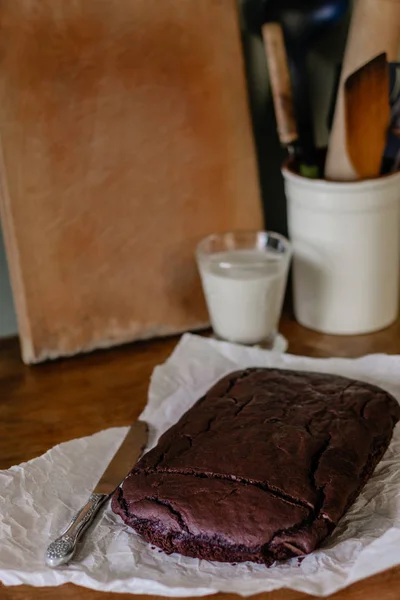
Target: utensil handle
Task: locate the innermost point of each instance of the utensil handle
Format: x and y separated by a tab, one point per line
302	103
279	75
62	549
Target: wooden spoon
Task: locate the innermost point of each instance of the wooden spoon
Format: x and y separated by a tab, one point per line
374	28
367	116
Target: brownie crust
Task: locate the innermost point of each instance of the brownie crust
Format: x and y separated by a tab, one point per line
261	468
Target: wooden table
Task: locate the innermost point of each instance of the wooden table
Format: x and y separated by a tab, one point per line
44	405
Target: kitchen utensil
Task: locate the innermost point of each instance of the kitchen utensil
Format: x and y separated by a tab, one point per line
332	100
374	28
282	95
302	22
279	75
367	114
391	161
126	138
64	547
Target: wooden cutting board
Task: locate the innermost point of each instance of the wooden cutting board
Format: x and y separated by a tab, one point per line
125	138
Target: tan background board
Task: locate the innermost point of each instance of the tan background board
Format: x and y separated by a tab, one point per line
126	137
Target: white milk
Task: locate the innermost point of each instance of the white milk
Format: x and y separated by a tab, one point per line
244	291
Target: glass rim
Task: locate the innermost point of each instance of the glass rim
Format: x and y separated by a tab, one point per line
287	245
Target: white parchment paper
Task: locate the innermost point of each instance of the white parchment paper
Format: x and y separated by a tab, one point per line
38	498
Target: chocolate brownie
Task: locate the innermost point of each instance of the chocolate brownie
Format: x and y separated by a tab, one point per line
261	468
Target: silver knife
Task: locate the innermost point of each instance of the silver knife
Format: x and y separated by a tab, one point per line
63	548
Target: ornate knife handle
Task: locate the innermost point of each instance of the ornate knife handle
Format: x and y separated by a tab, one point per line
63	548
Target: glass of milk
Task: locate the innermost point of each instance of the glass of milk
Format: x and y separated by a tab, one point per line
244	275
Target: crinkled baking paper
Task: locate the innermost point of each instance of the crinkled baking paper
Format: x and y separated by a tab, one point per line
38	498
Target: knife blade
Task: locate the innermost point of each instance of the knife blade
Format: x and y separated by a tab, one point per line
62	549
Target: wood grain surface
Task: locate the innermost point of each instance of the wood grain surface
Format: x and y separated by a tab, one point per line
44	405
125	138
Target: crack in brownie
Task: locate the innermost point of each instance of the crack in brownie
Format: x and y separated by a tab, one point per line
261	468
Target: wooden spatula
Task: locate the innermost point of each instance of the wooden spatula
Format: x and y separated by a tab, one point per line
374	28
367	115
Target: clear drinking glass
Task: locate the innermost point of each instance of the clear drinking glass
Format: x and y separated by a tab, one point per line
244	275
